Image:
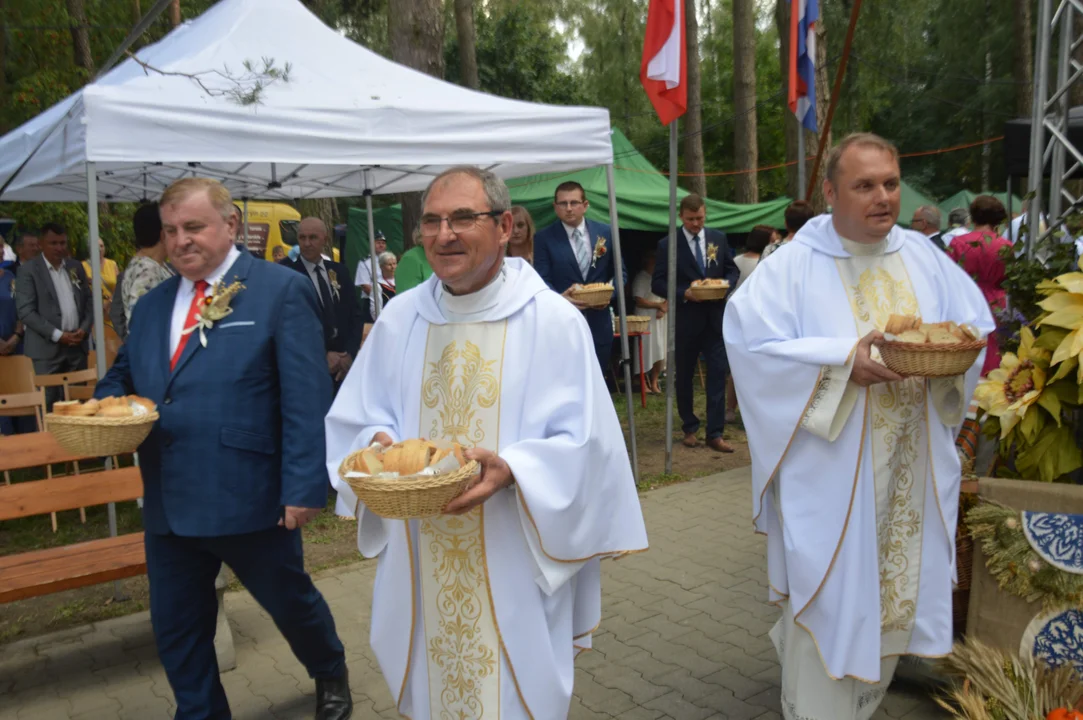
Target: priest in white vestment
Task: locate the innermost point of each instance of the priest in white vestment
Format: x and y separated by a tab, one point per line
855	472
480	612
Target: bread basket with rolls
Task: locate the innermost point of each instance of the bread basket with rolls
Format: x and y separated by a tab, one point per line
110	426
636	324
709	289
595	295
918	349
409	480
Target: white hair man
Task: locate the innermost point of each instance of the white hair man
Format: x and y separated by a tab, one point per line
854	468
926	220
480	611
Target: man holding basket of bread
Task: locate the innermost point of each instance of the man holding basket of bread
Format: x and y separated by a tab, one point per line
485	376
855	354
232	353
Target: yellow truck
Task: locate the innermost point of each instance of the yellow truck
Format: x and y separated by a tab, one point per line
272	225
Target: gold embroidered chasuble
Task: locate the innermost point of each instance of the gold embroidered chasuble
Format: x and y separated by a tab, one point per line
460	402
878	286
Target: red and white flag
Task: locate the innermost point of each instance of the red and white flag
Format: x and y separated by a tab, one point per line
665	60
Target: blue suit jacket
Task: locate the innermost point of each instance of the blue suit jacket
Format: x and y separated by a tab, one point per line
241	432
344	335
556	263
695	317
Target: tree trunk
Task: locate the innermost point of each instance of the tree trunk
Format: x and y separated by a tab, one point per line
174	13
744	99
693	118
823	101
1024	58
468	54
137	11
415	31
80	36
3	56
782	24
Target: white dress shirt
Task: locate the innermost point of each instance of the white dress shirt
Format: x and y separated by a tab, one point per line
582	227
187	291
65	295
364	275
692	245
310	268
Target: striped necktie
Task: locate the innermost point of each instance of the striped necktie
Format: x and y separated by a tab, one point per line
582	252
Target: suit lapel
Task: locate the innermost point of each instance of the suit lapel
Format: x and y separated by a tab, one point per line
46	280
238	272
686	255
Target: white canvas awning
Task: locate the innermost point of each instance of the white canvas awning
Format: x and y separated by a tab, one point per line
344	109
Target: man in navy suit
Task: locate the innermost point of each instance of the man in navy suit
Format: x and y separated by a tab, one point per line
339	311
573	251
701	254
234	466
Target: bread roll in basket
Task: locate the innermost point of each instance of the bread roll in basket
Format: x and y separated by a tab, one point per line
596	295
709	289
916	349
412	479
110	426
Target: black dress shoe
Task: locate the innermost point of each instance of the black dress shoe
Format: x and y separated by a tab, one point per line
333	699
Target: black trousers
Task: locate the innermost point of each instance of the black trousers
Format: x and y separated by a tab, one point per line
690	345
184	609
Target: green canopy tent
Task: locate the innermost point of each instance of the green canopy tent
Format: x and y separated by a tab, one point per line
642	203
963	198
910	201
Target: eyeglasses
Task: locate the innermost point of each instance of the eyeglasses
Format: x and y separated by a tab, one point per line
459	222
569	204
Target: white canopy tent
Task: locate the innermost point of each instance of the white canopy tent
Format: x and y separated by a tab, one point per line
345	122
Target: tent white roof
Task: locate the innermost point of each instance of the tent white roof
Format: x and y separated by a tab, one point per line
344	109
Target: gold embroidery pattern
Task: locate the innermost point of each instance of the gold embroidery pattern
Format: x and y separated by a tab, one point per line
823	384
458	648
459	394
898	423
878	295
459	381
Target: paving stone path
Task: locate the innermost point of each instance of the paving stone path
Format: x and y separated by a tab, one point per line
684	636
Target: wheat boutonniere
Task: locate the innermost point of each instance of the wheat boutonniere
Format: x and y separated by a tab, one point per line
712	253
599	251
75	281
335	287
215	308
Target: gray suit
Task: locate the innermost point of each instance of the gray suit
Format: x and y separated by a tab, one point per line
39	310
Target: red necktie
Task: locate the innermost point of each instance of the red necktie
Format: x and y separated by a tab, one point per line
190	321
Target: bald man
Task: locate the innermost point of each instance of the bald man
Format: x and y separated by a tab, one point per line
338	302
926	220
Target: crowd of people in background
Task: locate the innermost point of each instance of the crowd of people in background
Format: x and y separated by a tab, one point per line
46	307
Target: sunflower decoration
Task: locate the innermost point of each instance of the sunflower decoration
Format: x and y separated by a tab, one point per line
1064	322
1011	390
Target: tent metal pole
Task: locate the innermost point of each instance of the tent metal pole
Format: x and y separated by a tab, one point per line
244	225
376	302
1037	125
625	361
99	315
671	296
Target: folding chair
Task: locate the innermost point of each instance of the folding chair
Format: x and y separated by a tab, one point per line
22	405
16	378
68	381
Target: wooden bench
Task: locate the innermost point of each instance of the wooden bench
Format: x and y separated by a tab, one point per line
42	572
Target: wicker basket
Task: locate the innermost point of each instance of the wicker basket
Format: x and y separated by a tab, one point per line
414	497
594	298
709	292
928	360
636	324
100	436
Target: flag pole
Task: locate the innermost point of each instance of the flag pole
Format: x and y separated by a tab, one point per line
671	296
800	161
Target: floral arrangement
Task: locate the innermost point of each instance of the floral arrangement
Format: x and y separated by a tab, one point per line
996	685
1034	395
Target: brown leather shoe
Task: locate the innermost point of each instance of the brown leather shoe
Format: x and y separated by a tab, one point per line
690	440
719	445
